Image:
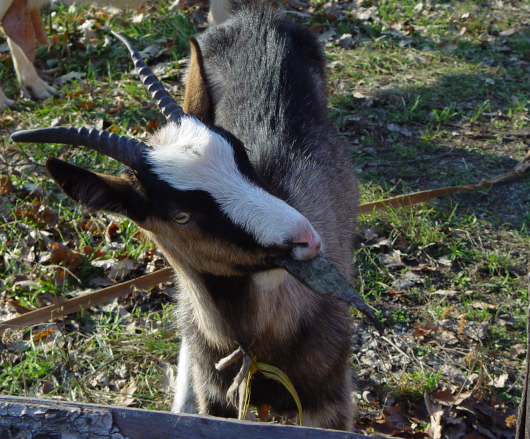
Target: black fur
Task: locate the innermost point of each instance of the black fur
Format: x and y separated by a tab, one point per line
266	78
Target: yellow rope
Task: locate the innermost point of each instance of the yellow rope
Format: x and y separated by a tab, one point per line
241	384
272	373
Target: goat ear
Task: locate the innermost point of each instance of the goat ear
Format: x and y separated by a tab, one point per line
197	98
98	192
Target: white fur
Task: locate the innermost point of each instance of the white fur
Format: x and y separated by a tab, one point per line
4	6
269	280
184	401
28	77
191	157
37	4
5	103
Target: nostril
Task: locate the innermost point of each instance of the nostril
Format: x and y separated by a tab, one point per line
305	244
300	244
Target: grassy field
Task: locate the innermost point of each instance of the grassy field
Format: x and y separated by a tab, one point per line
427	94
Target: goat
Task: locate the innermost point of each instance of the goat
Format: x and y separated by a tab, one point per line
249	173
22	24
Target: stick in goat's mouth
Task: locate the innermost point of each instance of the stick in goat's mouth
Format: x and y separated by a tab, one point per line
323	277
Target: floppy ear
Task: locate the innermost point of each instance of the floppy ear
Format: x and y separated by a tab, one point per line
98	191
197	98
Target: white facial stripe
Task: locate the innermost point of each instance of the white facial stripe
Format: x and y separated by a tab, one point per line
191	157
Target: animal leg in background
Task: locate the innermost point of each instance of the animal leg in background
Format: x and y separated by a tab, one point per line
5	103
219	11
22	25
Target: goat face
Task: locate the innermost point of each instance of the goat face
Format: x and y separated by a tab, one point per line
221	203
194	191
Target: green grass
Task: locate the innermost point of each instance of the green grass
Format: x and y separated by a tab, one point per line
462	94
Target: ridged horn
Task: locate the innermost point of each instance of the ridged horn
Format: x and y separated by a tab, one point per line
121	148
165	102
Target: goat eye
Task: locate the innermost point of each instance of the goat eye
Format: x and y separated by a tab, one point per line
182	218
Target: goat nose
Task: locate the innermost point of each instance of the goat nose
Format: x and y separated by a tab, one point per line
306	243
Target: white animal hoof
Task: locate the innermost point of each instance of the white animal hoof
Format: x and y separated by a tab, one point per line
38	90
5	103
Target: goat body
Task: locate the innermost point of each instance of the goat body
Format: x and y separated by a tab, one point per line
254	173
266	81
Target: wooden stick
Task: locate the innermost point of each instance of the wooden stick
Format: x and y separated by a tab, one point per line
83	302
421	197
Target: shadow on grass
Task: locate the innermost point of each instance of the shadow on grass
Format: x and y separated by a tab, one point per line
459	130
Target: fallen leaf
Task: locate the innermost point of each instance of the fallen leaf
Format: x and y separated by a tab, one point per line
448	46
60	254
398	129
44	333
326	36
506	320
126	399
517	350
86	105
5	185
458	376
21	309
443	397
152	125
484	305
169	381
137	18
391	260
446	338
118	269
499	381
69	77
476	331
101	281
150	52
424	329
462	397
418	8
396	414
507	32
457	427
449	293
511	421
435	412
47	387
120	106
317	28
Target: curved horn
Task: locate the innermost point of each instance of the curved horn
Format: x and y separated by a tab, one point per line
121	148
165	102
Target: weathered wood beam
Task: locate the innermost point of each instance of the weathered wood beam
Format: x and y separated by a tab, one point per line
523	418
52	419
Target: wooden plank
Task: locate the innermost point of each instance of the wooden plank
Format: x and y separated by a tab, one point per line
86	301
523	419
48	418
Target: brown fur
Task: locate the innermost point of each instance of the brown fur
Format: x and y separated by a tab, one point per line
197	97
